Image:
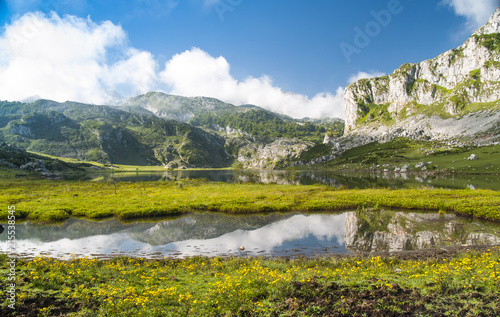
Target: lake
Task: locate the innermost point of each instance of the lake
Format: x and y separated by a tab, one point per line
292	234
331	178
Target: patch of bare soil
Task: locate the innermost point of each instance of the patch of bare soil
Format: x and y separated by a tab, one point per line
316	299
438	253
31	307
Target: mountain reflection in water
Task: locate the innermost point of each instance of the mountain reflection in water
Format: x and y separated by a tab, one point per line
208	234
330	178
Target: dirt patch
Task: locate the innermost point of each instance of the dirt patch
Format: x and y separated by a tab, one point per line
437	253
31	307
316	299
322	298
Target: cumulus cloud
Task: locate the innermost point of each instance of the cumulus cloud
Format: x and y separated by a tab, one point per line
476	12
132	76
68	59
196	73
361	75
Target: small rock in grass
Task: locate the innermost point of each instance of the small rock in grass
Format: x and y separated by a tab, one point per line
420	164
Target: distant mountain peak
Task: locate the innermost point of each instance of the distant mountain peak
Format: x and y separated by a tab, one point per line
31	99
176	107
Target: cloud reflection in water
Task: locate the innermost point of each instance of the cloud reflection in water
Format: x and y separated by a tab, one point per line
308	233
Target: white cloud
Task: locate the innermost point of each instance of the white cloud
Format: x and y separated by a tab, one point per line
71	58
476	12
135	75
68	59
361	75
196	73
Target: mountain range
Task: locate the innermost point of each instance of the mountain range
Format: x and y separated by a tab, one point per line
454	97
159	129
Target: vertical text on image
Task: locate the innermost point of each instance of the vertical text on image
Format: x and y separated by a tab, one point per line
11	251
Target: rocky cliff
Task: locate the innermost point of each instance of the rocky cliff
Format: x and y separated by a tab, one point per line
456	94
271	155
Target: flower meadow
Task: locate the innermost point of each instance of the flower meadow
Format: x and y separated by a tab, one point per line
465	284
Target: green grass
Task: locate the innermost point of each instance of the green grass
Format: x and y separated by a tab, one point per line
374	113
464	285
399	152
46	201
110	168
490	41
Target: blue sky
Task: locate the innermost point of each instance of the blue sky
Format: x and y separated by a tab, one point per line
290	56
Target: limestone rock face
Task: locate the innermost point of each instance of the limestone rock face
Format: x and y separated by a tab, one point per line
438	98
262	155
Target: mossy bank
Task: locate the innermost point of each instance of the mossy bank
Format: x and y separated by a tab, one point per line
47	201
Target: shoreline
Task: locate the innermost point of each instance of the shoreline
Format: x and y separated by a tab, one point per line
436	253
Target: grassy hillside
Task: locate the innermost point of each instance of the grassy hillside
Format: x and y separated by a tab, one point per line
107	135
436	156
214	114
17	162
263	123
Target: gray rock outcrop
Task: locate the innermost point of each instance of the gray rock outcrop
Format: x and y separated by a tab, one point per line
456	94
260	155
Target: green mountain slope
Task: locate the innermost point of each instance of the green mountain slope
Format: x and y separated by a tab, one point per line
216	115
107	134
206	132
15	161
260	122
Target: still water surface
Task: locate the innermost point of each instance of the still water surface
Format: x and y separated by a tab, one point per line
332	178
206	234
